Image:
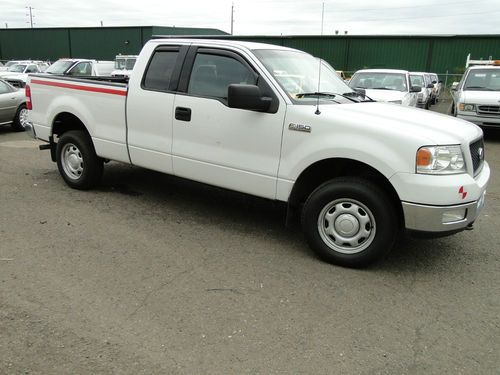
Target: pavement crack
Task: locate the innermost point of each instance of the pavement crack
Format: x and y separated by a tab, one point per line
144	301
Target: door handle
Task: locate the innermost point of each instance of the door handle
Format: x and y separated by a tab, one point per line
183	114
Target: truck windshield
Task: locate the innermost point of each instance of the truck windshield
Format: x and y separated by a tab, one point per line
379	81
297	73
59	67
483	80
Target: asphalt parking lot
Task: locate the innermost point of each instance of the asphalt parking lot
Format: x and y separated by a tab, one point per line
155	275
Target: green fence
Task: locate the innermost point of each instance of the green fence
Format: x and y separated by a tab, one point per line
439	54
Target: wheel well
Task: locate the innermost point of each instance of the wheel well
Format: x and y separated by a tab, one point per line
325	170
67	121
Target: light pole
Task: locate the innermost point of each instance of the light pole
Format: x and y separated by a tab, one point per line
30	9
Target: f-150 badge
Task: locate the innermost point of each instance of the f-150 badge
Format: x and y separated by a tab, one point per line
300	128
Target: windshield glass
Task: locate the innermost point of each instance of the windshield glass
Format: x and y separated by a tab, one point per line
417	80
379	81
18	68
483	80
128	63
297	73
10	63
59	67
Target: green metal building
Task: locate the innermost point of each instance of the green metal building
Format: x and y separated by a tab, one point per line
432	53
101	43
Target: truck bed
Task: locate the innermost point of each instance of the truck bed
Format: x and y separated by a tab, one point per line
98	102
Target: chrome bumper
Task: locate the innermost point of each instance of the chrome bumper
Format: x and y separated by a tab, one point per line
30	130
424	218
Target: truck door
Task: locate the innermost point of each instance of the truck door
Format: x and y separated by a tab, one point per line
228	147
149	110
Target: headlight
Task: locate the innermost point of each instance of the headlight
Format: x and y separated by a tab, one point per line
466	107
440	160
396	101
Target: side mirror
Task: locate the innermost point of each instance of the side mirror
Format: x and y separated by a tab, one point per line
430	86
440	82
434	82
415	89
360	90
454	86
247	97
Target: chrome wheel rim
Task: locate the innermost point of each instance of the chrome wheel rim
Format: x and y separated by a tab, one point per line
72	161
346	226
23	117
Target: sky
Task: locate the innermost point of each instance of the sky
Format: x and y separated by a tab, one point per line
266	17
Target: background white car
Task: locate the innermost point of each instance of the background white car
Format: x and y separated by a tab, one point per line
476	98
423	80
386	85
17	74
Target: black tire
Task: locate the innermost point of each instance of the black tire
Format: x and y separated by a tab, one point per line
368	202
427	104
77	161
17	125
453	110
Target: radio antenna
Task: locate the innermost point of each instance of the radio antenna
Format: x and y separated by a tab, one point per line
318	112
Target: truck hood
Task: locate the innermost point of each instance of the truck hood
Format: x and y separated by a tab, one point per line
385	95
481	97
422	125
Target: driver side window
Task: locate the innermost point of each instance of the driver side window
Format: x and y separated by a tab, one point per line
212	74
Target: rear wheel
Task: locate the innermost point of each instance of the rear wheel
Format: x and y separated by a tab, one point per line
21	119
77	161
350	222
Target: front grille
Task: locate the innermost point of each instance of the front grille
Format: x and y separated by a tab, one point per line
488	110
477	154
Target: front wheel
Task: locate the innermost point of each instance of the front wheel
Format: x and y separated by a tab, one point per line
77	161
350	222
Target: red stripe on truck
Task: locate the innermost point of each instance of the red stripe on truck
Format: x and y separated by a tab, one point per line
79	87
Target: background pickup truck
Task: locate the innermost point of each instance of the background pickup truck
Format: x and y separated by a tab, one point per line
276	123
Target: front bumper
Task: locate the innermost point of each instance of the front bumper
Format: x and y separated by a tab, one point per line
441	204
423	218
480	120
30	130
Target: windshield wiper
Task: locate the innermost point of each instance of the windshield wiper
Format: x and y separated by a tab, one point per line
327	94
357	94
380	88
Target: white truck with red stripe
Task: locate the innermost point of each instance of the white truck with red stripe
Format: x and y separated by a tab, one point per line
276	123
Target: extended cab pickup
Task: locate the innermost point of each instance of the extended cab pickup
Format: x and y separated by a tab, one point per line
257	119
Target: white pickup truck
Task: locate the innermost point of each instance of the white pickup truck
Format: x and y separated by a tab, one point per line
268	121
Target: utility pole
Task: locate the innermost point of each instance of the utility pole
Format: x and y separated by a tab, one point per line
232	17
30	9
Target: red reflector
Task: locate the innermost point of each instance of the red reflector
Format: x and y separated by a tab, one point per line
27	91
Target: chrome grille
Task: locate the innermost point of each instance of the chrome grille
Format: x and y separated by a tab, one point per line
477	154
488	110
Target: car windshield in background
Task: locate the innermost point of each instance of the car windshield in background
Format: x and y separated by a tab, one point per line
59	67
298	73
127	64
18	68
379	81
417	80
483	80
